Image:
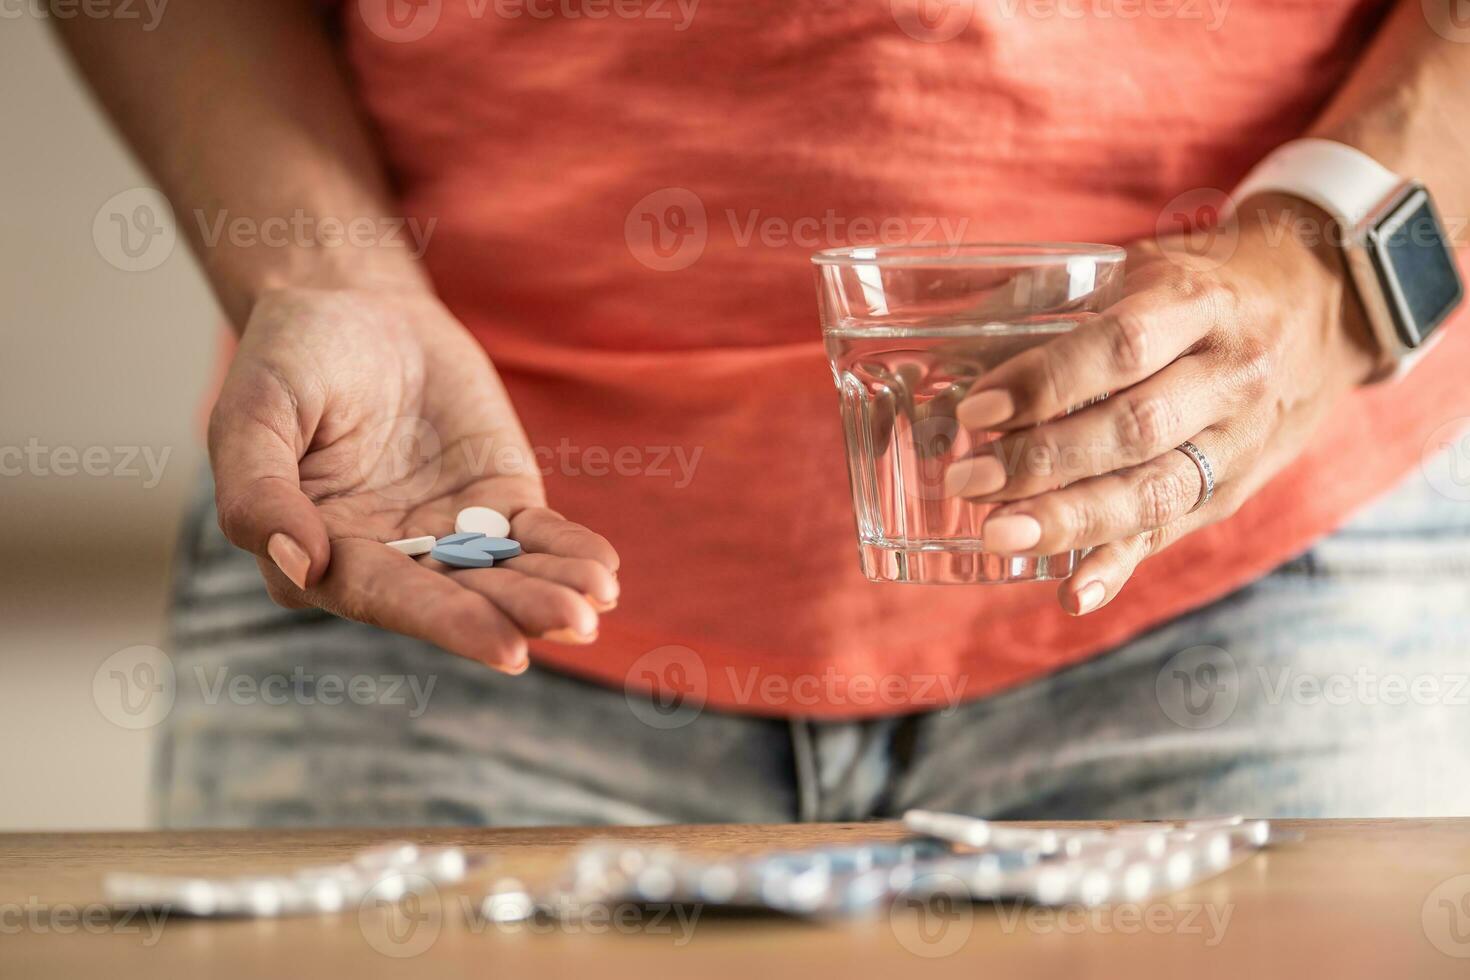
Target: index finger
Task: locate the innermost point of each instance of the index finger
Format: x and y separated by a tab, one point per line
1133	339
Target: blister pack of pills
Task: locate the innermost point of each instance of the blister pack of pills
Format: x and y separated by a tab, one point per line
387	871
956	856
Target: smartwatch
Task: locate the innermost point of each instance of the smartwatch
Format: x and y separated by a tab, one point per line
1397	254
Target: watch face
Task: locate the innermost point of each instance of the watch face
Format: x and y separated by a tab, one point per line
1416	267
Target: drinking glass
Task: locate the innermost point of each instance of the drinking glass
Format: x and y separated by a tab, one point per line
908	329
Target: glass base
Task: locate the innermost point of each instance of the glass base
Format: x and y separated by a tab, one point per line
939	566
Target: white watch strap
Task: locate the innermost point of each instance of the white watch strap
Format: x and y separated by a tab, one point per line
1345	182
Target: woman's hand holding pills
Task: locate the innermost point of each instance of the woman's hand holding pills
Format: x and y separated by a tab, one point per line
350	419
1241	358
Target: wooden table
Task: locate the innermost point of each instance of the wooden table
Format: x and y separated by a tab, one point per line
1372	898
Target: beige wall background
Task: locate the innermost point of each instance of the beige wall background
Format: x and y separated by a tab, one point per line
91	355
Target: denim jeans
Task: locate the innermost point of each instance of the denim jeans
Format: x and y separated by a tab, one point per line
1335	686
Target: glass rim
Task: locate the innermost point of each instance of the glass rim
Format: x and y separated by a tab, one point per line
967	254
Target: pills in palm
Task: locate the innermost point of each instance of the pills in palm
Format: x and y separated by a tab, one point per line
482	520
413	547
479	541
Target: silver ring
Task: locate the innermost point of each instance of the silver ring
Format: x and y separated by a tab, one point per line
1206	473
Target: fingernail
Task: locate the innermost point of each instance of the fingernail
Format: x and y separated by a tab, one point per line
290	558
974	477
1089	597
569	635
600	605
1010	533
517	667
986	410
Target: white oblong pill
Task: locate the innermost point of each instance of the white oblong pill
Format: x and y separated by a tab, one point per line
482	520
413	547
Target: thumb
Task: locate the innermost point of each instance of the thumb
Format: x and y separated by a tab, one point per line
258	486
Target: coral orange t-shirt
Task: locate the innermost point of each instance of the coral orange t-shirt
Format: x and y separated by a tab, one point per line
627	193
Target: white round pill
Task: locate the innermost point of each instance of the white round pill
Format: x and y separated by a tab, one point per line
482	520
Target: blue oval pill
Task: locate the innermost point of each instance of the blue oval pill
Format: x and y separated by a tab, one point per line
498	548
460	537
462	556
